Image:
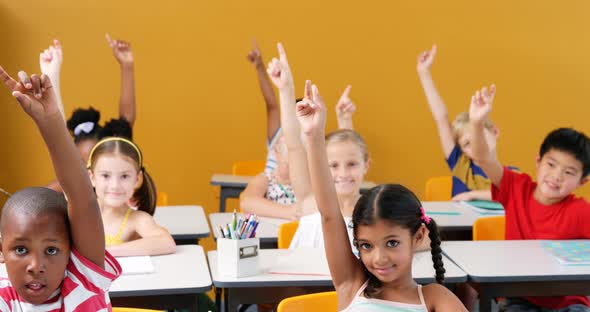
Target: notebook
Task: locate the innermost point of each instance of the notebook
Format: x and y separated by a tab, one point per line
136	265
574	252
486	206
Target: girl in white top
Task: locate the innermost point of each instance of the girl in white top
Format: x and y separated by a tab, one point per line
388	225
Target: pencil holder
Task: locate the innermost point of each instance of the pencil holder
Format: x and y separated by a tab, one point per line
238	257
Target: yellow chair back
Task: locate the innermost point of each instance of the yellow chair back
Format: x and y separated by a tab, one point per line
324	301
162	199
439	188
490	228
286	233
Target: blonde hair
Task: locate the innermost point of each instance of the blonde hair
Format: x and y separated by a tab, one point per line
347	135
461	125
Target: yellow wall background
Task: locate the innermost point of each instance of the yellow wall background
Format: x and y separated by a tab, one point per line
199	106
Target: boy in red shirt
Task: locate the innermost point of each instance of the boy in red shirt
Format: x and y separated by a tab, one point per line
545	209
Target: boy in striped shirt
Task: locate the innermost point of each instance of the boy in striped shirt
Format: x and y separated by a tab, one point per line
53	250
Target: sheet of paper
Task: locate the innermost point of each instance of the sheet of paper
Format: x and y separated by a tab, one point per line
136	265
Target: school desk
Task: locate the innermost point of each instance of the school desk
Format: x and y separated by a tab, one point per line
175	283
267	230
516	268
232	185
454	219
283	273
186	224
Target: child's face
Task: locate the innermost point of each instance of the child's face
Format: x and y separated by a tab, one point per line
115	178
347	166
558	175
465	140
84	147
36	251
387	249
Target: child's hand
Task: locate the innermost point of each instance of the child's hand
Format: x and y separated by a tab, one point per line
481	104
345	107
35	94
121	50
425	60
279	71
254	56
311	111
51	59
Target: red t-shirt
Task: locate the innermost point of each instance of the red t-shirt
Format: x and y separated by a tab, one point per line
526	218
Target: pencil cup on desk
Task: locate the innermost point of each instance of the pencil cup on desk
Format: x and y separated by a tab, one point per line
238	257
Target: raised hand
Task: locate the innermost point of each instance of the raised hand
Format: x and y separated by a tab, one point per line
51	59
345	108
254	56
425	60
311	111
279	71
121	50
481	104
35	94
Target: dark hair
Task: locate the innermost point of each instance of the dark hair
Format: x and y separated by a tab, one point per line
117	128
36	201
570	141
145	196
81	116
396	204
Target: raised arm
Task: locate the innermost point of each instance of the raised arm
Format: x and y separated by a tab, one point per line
123	54
36	96
480	108
50	62
347	272
345	108
280	75
273	117
435	101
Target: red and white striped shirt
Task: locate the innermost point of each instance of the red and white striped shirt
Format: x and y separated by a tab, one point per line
84	288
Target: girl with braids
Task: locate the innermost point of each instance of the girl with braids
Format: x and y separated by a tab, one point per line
388	225
116	170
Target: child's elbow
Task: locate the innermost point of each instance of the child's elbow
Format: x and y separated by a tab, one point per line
169	245
246	204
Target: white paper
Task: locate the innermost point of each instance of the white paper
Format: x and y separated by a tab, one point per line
136	265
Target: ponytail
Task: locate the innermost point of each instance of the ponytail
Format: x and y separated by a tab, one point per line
146	196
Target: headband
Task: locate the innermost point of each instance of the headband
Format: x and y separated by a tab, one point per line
89	164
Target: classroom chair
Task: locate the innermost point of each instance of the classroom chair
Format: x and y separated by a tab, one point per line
489	228
286	233
162	199
133	310
324	301
248	167
439	188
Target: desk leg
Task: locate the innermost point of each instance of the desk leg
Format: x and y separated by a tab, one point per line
222	198
218	299
228	192
485	302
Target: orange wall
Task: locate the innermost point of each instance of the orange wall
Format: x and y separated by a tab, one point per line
199	107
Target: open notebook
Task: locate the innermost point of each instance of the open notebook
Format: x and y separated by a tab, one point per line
301	261
574	252
485	207
136	265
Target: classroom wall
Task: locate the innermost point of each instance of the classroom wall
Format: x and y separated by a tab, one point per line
199	106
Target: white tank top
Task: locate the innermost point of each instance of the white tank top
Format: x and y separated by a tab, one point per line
361	303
